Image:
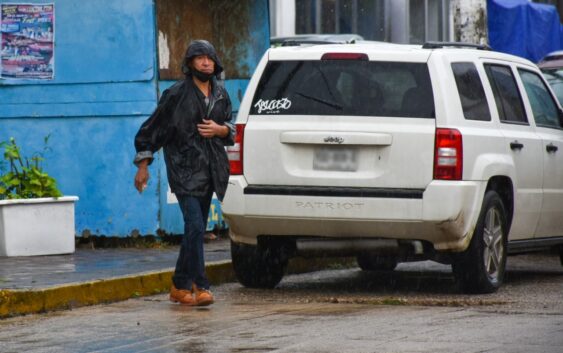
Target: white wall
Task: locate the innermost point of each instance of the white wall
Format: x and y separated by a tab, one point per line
282	18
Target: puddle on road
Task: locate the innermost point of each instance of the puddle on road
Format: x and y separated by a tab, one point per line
445	302
252	349
315	309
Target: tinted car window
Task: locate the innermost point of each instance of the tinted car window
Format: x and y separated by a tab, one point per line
345	87
507	96
555	79
543	106
471	93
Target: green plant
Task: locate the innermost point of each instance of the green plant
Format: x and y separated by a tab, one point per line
26	178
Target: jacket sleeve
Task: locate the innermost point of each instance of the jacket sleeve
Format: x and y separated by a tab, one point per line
156	130
229	140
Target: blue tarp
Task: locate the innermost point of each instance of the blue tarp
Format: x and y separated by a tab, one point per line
524	28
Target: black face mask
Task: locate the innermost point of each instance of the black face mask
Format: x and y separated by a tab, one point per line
202	76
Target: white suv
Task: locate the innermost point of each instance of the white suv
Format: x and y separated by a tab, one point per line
395	153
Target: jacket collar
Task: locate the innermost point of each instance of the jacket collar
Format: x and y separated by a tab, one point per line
216	92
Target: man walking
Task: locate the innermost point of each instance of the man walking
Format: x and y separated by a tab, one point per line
192	123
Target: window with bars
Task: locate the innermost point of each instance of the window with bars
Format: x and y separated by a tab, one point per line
419	20
363	17
428	20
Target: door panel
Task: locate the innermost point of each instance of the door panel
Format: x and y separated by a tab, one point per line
525	147
529	175
551	219
546	116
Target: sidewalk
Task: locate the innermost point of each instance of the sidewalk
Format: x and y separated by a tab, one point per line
36	272
37	284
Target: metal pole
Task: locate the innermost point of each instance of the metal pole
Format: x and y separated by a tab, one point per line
337	16
355	16
426	19
318	14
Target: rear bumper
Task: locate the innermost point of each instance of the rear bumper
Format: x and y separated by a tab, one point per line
443	214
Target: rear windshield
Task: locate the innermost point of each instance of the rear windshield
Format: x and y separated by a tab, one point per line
345	87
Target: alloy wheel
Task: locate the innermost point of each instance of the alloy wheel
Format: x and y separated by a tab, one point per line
494	247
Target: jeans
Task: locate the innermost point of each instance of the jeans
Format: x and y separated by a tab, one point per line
190	266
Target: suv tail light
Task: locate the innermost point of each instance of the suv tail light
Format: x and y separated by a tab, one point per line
345	56
235	152
448	155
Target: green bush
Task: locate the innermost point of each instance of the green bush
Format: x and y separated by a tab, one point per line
25	178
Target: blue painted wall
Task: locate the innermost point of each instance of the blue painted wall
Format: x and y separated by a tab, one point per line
105	86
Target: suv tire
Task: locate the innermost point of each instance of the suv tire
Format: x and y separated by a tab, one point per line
480	268
257	266
370	262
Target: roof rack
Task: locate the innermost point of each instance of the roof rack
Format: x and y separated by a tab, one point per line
437	45
315	38
297	42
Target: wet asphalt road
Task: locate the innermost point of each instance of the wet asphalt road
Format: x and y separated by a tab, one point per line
416	308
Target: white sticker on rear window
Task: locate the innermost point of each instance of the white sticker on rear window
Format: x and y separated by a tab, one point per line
272	106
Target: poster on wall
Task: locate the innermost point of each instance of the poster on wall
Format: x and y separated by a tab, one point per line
28	38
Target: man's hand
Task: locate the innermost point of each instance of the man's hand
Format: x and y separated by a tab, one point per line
210	129
142	176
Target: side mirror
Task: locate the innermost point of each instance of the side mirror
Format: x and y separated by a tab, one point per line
561	117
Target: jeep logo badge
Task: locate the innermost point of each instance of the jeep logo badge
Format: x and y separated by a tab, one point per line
333	139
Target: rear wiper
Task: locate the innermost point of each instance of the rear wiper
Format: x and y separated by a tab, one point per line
320	100
326	82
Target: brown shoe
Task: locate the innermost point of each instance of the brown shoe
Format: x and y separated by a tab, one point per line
182	296
203	297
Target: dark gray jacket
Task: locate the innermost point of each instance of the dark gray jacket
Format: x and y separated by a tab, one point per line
195	165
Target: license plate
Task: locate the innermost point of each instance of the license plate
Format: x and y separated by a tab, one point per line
336	158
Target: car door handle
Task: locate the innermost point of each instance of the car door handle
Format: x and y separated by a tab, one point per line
516	145
551	148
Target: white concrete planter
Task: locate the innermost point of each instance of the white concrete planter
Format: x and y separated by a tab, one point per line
43	226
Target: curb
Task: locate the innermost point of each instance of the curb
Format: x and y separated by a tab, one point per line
75	295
